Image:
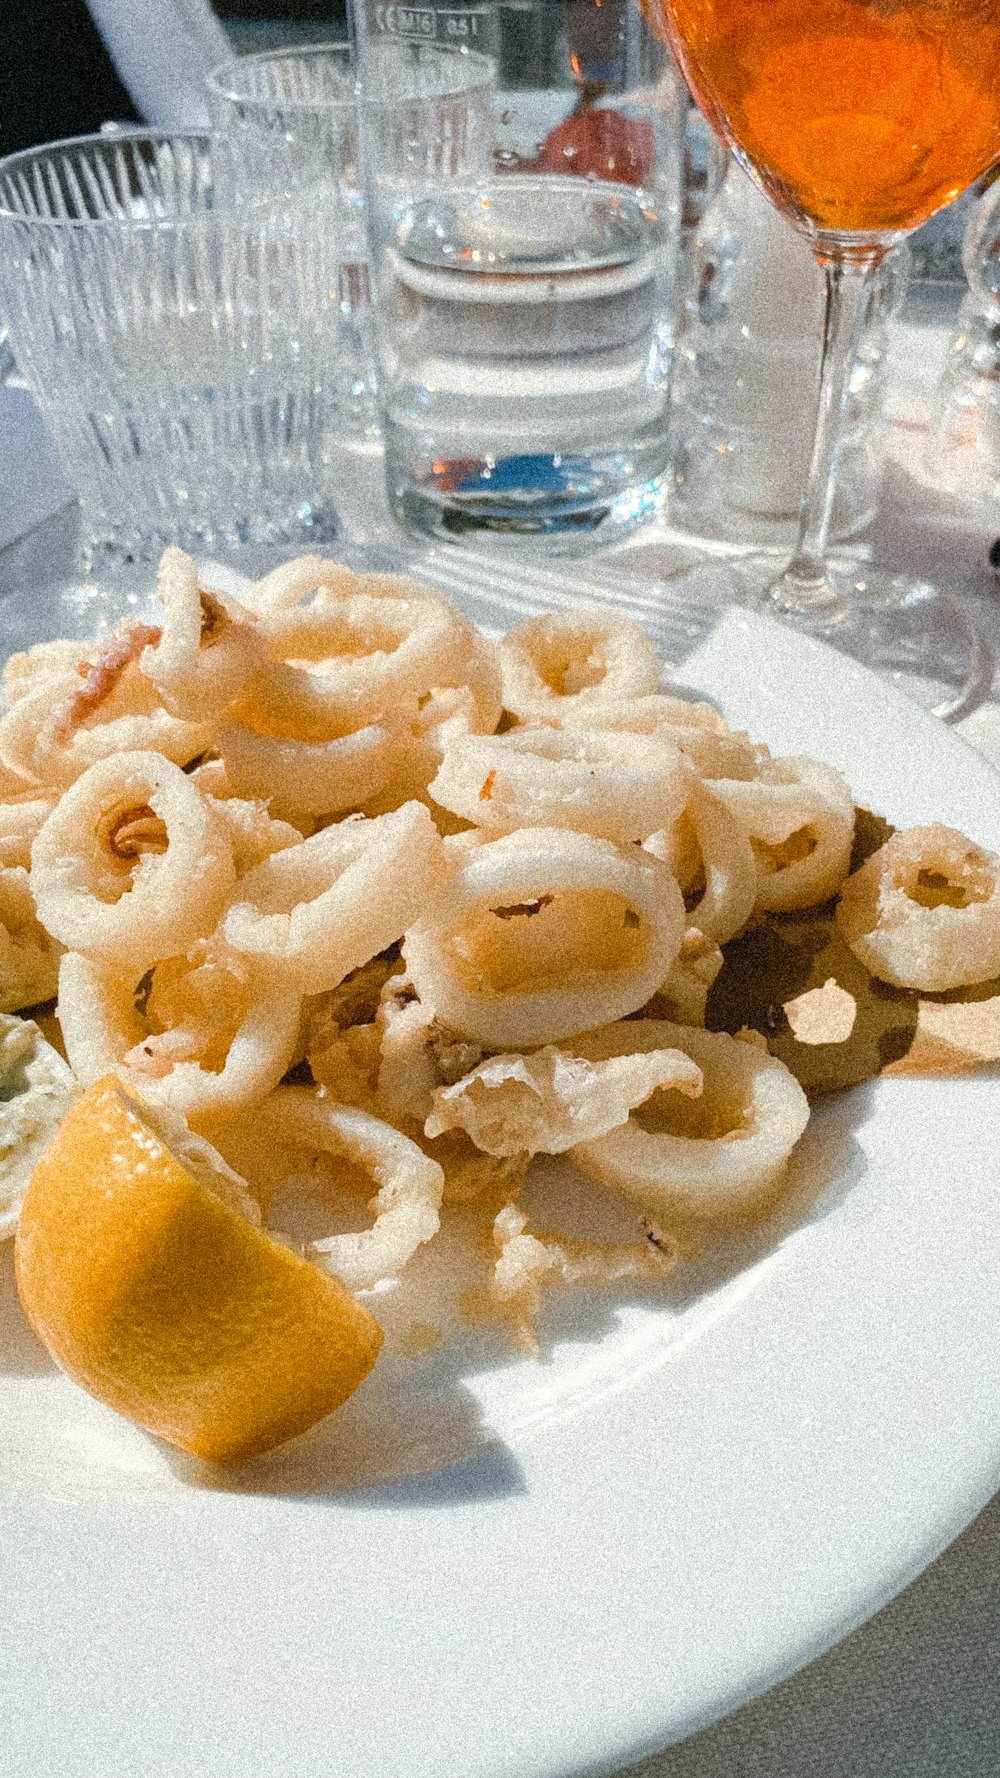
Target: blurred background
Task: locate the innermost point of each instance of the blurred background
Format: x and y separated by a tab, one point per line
61	78
71	65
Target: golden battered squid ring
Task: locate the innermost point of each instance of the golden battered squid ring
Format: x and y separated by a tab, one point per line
302	779
313	586
21	819
24	671
799	816
335	666
352	661
924	911
696	729
727	862
132	864
539	934
556	666
216	1066
617	786
720	1155
293	583
208	647
253	834
442	716
477	672
317	580
65	724
314	912
293	1126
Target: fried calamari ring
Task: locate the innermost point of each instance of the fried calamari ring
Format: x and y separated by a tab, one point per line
208	648
924	911
313	580
293	1127
108	706
314	912
619	787
548	1102
335	667
363	659
445	715
294	582
727	862
541	933
29	961
728	866
555	667
696	729
721	1155
253	833
304	779
799	817
132	864
188	1038
684	995
20	821
482	678
60	657
677	847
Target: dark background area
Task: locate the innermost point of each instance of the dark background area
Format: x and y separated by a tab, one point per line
57	79
322	11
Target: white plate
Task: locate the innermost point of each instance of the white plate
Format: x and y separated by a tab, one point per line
690	1495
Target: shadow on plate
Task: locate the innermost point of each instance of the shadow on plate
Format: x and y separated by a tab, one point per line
418	1435
21	1351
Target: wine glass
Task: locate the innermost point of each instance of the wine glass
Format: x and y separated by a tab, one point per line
859	119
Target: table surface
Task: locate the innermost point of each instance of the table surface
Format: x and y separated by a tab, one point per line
915	1693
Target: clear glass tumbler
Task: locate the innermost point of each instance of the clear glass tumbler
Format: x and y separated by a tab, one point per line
290	122
177	345
528	296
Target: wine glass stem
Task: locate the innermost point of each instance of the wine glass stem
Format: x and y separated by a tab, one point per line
805	592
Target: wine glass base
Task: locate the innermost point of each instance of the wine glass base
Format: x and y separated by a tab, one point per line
904	630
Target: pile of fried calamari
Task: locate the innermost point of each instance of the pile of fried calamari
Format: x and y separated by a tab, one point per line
359	895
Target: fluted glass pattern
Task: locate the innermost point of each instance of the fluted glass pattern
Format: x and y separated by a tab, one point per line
290	122
179	329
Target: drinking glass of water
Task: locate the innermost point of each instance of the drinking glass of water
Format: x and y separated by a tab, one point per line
525	221
289	117
177	345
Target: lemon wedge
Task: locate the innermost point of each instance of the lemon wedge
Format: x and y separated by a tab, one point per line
139	1267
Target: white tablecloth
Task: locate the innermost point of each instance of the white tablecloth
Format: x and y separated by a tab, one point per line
916	1692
